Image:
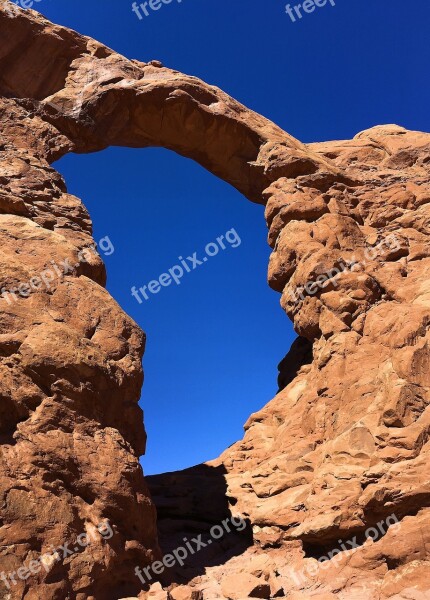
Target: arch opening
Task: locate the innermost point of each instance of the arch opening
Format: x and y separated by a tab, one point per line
214	337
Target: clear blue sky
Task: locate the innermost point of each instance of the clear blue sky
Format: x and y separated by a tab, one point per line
214	341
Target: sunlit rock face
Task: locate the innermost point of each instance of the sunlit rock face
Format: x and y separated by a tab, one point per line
341	454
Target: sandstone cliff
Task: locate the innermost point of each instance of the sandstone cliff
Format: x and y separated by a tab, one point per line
344	445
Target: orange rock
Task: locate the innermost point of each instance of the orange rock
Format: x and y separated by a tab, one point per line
242	585
184	592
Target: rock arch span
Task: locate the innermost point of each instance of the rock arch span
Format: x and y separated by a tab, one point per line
343	446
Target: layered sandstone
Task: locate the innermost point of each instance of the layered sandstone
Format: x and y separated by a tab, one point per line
342	447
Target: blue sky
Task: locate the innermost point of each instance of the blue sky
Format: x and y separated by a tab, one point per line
214	341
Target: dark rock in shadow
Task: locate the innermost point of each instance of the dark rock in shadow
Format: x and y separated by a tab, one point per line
300	354
196	515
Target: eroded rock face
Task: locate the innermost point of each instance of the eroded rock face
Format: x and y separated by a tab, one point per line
342	452
70	360
344	445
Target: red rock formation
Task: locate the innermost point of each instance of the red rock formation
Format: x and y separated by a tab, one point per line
344	445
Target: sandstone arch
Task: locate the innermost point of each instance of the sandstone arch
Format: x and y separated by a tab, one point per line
343	446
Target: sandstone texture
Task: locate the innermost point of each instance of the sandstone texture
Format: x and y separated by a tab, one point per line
336	466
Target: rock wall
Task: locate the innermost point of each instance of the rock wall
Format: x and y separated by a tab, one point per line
344	447
71	430
341	448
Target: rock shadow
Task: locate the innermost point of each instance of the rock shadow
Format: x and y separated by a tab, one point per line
300	354
193	506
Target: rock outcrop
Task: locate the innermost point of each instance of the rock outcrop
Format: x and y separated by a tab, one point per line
335	466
